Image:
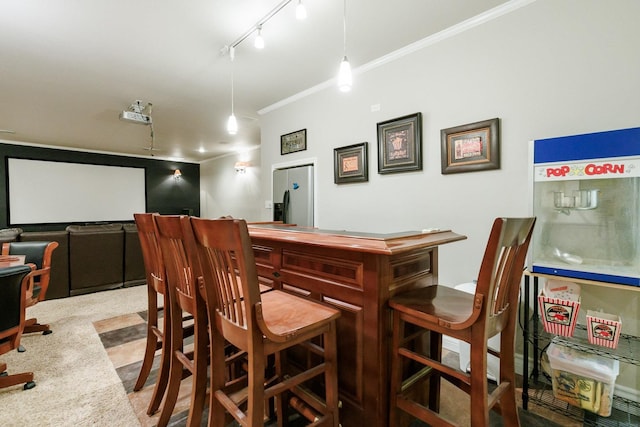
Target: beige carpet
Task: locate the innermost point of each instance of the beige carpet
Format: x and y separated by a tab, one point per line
76	384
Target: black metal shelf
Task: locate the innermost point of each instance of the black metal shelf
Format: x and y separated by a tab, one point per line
628	350
537	390
624	413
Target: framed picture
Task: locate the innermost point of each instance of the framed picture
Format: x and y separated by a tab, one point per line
400	144
472	147
294	141
350	164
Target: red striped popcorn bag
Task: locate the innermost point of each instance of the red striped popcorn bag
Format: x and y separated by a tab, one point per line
603	328
559	303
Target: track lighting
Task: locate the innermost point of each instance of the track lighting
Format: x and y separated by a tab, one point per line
344	74
301	11
259	41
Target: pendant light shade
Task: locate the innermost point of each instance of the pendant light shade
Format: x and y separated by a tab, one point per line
301	11
259	40
232	125
344	76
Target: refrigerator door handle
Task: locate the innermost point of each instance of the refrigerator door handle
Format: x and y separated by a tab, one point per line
285	207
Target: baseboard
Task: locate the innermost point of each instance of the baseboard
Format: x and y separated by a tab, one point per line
450	344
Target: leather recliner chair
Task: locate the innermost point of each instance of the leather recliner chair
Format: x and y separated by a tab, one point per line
95	257
9	234
134	273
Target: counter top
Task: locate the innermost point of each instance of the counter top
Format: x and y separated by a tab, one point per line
381	243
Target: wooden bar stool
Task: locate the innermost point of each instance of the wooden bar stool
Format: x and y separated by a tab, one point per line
184	299
262	325
441	310
158	337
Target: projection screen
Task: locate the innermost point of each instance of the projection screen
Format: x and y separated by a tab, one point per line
42	192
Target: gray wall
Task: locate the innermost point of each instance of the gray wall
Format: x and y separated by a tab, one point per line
550	68
227	192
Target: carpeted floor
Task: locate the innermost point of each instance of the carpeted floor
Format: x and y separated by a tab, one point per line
76	384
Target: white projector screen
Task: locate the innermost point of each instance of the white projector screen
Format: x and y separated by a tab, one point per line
42	192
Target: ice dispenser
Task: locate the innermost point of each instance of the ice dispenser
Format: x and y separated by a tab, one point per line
587	203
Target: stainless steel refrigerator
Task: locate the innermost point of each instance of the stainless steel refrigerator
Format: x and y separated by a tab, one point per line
293	195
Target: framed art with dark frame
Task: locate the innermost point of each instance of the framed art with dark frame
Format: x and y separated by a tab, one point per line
350	164
294	141
472	147
400	144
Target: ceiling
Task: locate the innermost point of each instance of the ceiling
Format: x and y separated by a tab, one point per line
68	68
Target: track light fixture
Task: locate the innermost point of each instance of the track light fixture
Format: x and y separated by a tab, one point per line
344	74
301	13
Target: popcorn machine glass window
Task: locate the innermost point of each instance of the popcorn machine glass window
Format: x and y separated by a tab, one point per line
587	203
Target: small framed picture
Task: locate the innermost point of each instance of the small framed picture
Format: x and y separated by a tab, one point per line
350	164
400	144
294	141
472	147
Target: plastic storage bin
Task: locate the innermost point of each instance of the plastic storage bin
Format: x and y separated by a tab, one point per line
582	379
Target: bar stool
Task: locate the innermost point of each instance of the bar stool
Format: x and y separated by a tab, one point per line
158	338
184	298
441	310
262	325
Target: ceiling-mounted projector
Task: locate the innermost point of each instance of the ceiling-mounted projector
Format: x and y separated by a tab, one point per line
132	116
135	114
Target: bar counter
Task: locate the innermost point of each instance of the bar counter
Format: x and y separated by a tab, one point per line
356	273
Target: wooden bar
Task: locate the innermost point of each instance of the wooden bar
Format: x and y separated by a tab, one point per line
355	273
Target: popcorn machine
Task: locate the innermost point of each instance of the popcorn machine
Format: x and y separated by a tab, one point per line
586	197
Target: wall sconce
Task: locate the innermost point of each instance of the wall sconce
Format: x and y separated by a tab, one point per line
241	167
177	174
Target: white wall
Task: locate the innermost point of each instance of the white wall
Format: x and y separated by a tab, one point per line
227	192
550	68
547	69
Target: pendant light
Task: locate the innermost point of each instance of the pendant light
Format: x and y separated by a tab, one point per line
259	40
301	11
232	123
344	74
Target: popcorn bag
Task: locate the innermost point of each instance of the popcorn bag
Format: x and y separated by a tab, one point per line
603	328
559	303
